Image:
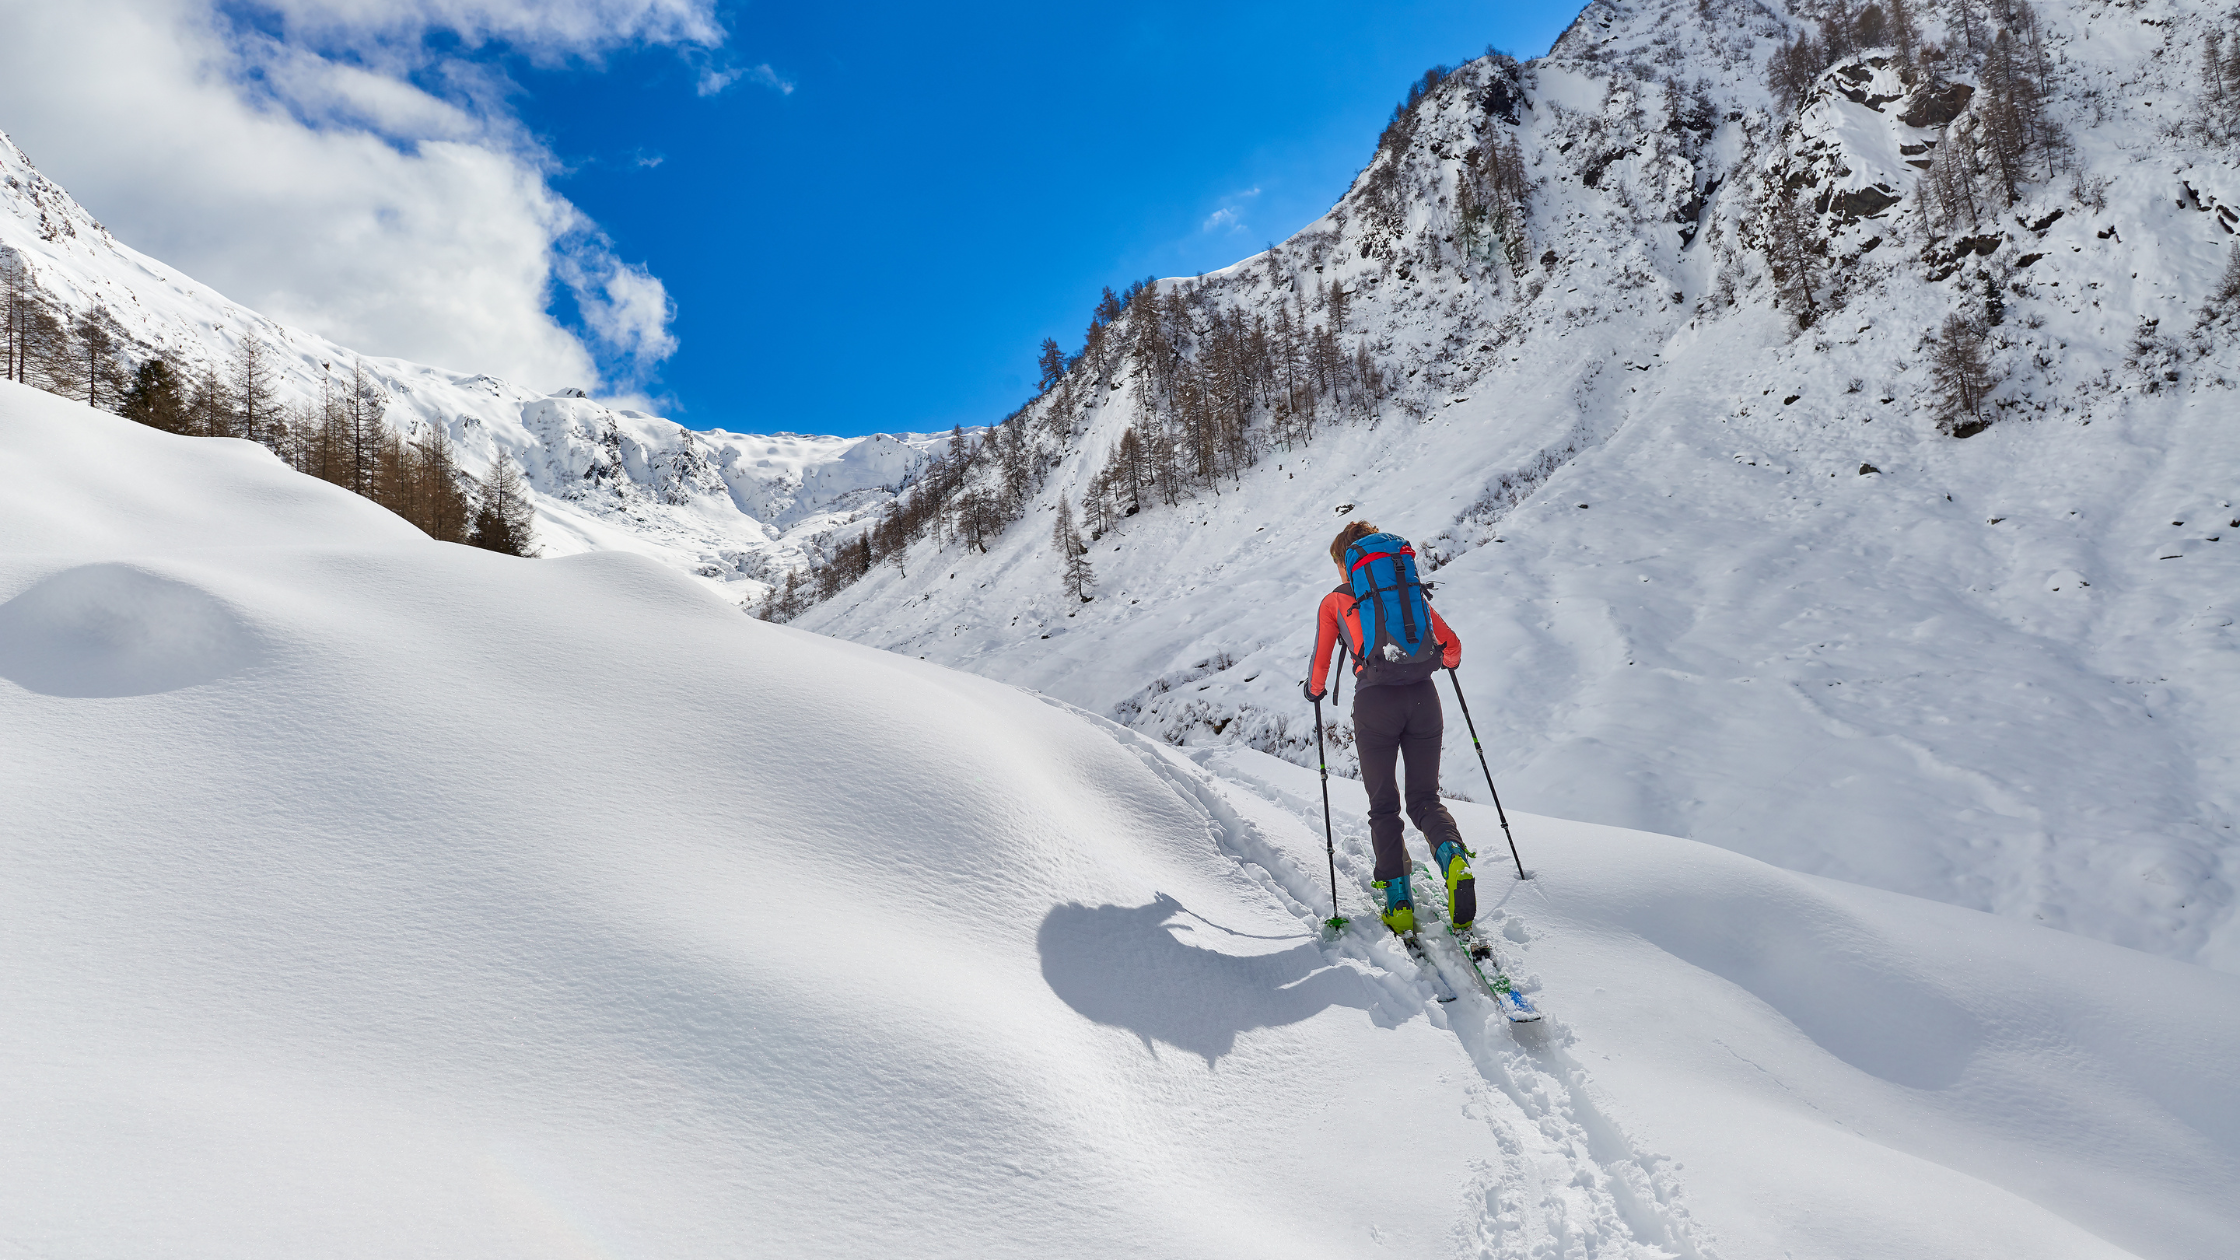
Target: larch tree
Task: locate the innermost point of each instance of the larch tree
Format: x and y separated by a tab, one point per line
1793	69
450	518
363	404
326	449
250	379
100	379
1050	365
2224	296
18	302
1905	33
1961	372
1793	256
2220	85
504	520
783	602
1965	19
209	409
1080	580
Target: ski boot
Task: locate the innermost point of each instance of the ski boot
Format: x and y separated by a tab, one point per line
1453	861
1399	911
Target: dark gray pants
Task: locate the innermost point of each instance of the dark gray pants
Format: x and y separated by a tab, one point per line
1390	723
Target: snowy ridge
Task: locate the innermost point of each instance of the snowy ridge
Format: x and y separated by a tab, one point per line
462	905
737	509
1715	576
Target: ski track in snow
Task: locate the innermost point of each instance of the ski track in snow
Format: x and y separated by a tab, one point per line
1568	1181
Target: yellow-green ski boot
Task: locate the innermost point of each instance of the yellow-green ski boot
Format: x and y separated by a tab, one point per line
1399	911
1453	861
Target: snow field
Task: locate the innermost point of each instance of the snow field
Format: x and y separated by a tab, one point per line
1754	1062
535	908
474	906
2014	698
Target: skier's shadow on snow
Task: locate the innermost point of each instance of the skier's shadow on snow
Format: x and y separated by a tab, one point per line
1129	967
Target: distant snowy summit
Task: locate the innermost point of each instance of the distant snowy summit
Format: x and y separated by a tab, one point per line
738	510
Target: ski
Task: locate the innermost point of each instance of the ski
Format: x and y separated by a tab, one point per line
1429	967
1486	966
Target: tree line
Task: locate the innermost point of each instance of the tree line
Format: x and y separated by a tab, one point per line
1217	388
342	437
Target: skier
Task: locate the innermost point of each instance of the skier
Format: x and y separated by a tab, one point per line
1396	710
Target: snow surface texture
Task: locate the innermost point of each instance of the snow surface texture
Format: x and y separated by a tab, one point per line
737	509
369	896
1715	578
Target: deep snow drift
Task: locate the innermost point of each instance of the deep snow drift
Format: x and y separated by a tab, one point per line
373	896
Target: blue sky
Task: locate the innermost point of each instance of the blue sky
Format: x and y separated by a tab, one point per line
886	208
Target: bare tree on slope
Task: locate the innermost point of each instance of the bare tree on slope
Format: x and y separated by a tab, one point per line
250	378
1962	374
1079	579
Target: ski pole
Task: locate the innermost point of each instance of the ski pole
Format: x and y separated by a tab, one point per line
1336	922
1499	812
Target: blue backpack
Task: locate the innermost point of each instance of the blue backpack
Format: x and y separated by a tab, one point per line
1397	645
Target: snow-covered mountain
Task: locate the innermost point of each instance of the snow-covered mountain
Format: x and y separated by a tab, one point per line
373	896
1717	575
1645	361
736	509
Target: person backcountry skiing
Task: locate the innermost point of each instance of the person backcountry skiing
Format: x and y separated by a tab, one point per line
1397	642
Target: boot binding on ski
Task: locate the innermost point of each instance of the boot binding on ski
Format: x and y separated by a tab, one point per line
1399	910
1462	887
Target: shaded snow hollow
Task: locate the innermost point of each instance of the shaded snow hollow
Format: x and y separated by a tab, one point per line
369	896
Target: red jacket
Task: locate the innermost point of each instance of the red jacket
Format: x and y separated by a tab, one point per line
1338	610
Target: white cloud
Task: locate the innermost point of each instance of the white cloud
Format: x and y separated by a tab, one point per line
1230	215
303	175
549	30
624	305
714	80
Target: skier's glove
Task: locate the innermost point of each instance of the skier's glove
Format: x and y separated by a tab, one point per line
1306	688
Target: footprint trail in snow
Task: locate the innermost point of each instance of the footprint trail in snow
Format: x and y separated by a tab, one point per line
1563	1180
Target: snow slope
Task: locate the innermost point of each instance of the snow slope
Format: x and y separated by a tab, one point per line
374	896
1715	577
737	509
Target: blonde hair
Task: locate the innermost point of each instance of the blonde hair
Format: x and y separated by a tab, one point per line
1352	533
